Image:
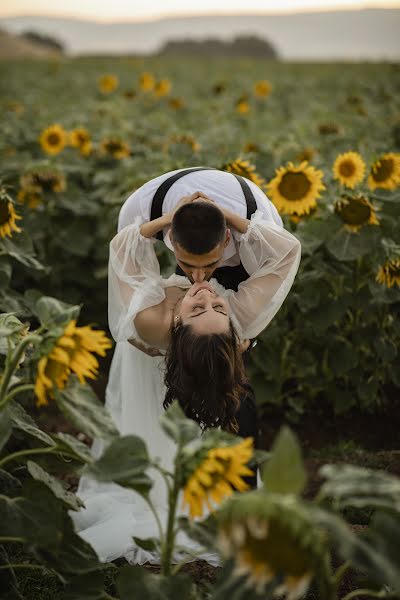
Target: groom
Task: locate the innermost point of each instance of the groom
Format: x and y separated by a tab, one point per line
195	202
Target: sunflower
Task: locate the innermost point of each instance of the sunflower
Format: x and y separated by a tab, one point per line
389	273
187	140
146	82
349	169
107	83
8	217
355	211
162	88
53	139
262	88
268	537
115	148
217	476
242	105
71	353
31	196
306	154
295	189
251	147
176	103
385	172
328	128
15	107
44	179
245	169
80	138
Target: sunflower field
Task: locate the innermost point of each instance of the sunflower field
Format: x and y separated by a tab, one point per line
323	141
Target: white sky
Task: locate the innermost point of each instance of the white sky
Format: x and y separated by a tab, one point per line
117	10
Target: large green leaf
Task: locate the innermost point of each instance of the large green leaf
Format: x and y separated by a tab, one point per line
349	485
53	312
21	420
74	446
346	245
284	472
81	405
68	498
89	586
179	427
124	462
20	247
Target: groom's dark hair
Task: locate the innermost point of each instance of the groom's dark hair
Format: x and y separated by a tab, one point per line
198	227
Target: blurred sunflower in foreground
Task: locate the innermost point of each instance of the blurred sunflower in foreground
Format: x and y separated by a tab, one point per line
245	169
72	352
115	148
53	139
349	169
107	83
270	538
8	216
262	88
389	273
355	211
80	138
385	172
295	189
214	477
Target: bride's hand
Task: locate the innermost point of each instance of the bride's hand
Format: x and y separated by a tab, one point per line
150	351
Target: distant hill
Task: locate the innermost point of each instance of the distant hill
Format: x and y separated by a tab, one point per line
351	34
15	46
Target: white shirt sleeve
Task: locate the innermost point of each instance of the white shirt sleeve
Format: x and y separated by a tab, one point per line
134	281
271	256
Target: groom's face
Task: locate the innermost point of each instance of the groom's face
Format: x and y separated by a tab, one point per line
199	267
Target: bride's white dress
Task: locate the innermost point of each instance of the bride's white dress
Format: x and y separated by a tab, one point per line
135	390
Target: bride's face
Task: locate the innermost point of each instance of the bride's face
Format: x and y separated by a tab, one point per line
204	310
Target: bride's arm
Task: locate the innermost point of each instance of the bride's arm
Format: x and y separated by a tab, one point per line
134	281
271	256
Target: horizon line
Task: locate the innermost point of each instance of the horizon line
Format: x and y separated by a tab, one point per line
165	16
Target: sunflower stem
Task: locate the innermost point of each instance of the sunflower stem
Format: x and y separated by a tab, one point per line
170	533
47	450
18	390
13	364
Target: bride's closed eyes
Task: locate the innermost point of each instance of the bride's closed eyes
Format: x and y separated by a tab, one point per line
217	307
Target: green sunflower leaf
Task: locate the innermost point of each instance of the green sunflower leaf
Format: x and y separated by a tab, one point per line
284	472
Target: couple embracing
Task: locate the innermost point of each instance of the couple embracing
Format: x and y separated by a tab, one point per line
184	337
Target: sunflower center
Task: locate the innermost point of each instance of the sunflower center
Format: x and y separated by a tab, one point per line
53	139
113	147
354	211
383	170
347	168
5	212
294	186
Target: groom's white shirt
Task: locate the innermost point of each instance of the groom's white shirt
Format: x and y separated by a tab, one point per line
220	186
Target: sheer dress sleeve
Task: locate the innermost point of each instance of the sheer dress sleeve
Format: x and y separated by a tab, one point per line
271	256
134	280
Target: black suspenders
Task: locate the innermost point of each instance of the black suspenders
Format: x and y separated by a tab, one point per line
158	198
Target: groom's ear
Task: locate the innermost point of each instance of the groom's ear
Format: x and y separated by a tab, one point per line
227	238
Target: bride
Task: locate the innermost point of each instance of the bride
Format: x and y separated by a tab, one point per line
200	328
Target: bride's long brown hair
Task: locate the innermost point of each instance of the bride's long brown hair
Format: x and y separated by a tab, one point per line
205	373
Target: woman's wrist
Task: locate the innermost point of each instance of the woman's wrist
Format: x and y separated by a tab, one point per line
151	228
